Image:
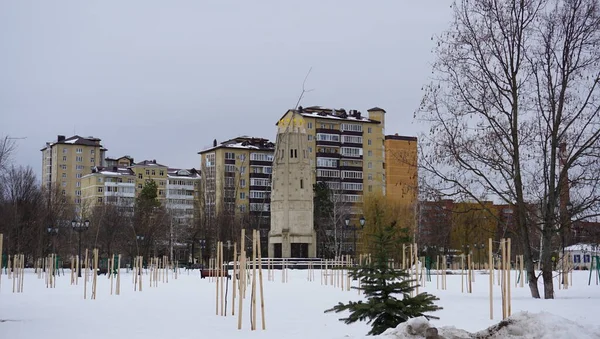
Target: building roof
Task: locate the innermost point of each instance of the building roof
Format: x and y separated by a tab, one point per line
400	137
331	114
191	173
148	163
112	171
244	142
584	248
75	140
376	109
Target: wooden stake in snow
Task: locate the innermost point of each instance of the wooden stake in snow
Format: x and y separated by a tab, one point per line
217	273
95	275
234	278
253	297
508	265
118	288
491	267
85	275
242	273
223	271
260	279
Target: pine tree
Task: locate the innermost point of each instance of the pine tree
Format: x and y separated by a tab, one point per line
381	284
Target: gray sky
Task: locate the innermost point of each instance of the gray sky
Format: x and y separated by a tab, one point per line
161	79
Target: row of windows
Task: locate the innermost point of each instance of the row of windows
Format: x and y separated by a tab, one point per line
328	173
327	162
180	201
181	182
260	207
352	175
352	139
261	157
259	182
328	137
351	151
181	192
160	172
352	186
351	127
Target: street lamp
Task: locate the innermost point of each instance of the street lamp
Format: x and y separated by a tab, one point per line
80	227
52	231
354	228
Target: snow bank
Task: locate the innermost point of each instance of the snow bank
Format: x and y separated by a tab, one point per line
522	325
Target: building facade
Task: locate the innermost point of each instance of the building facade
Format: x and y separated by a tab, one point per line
236	181
65	162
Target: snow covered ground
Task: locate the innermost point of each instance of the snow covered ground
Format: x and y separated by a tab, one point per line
185	308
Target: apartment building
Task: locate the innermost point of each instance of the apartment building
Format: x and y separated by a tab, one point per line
401	182
347	150
120	185
236	176
65	162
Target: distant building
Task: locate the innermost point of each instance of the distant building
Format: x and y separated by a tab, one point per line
66	160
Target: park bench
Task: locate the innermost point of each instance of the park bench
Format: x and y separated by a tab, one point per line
214	273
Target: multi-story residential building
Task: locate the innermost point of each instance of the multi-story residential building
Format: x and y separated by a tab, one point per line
236	176
401	182
346	150
183	187
151	170
109	185
65	162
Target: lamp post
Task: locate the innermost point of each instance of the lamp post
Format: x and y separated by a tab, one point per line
52	231
80	227
354	228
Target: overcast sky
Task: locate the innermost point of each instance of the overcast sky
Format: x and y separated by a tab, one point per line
162	79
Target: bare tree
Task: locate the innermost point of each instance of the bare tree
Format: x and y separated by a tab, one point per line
7	148
513	81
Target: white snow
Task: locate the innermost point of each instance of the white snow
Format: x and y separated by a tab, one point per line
185	308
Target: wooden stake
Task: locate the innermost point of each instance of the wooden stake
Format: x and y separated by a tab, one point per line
217	273
508	265
223	271
260	279
85	275
234	278
118	289
491	267
253	297
242	272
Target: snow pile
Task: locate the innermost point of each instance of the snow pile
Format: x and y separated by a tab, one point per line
522	325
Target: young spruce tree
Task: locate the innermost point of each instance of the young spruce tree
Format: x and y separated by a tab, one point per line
387	290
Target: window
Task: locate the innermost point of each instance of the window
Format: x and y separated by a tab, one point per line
79	150
353	139
370	188
64	167
229	168
161	173
242	157
140	175
295	153
327	162
328	137
261	157
352	127
328	173
259	195
140	185
352	186
242	208
242	182
230	155
63	192
370	165
78	193
370	153
147	172
242	195
586	258
291	153
64	175
64	158
369	142
351	151
99	179
259	182
153	172
242	169
351	198
64	150
301	184
309	125
577	258
64	184
99	199
161	192
369	130
267	169
92	160
352	175
310	149
78	184
100	189
79	167
92	152
78	175
79	158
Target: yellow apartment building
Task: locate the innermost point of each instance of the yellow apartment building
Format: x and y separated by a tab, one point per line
236	176
346	150
65	162
401	168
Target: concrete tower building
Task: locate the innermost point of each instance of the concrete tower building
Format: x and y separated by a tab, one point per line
292	233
